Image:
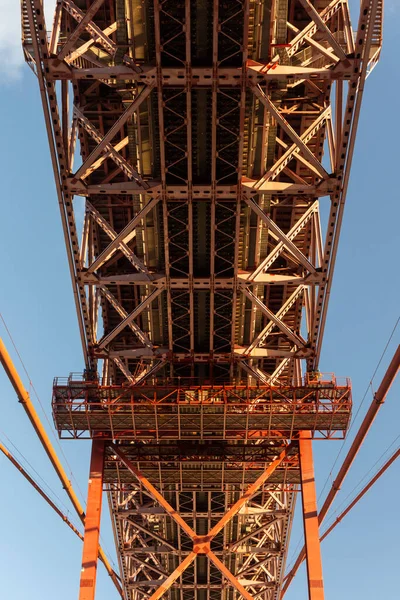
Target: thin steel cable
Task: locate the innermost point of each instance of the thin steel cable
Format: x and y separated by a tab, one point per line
329	477
108	554
31	385
294	553
30	469
369	386
352	492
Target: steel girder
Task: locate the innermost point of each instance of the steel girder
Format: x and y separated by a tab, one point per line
157	533
261	128
202	128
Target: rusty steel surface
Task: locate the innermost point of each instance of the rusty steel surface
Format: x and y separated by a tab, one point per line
206	135
164	412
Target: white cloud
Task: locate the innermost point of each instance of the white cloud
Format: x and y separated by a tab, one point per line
11	56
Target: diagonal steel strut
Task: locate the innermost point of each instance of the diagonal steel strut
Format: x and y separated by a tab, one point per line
201	544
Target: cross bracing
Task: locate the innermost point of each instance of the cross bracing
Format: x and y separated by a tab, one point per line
210	135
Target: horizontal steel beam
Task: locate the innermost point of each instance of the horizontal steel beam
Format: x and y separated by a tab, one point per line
200	283
200	76
239	354
166	550
248	187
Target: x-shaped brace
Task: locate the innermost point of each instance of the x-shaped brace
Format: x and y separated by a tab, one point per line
201	544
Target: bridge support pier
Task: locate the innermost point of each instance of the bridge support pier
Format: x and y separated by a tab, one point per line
310	518
92	522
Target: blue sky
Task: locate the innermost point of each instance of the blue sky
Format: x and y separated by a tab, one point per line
40	556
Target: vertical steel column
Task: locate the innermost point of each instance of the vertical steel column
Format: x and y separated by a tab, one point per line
310	518
163	172
92	522
188	66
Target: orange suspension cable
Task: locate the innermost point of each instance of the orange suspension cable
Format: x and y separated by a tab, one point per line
30	410
377	401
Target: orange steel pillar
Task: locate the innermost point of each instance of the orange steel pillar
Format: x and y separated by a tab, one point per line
92	522
310	518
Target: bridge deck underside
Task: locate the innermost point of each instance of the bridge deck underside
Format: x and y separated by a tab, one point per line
202	127
201	238
149	537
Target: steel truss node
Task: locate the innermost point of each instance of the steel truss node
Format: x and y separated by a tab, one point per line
208	134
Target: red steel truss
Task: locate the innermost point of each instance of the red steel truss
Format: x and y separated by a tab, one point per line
207	140
166	412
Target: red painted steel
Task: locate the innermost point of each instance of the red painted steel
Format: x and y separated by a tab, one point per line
92	522
310	518
202	127
27	404
376	404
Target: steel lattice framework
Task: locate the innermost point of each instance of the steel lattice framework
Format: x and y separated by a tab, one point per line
206	132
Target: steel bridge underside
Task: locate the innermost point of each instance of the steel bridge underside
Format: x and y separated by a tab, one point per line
206	138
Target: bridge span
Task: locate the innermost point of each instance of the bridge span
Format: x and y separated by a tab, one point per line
210	142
